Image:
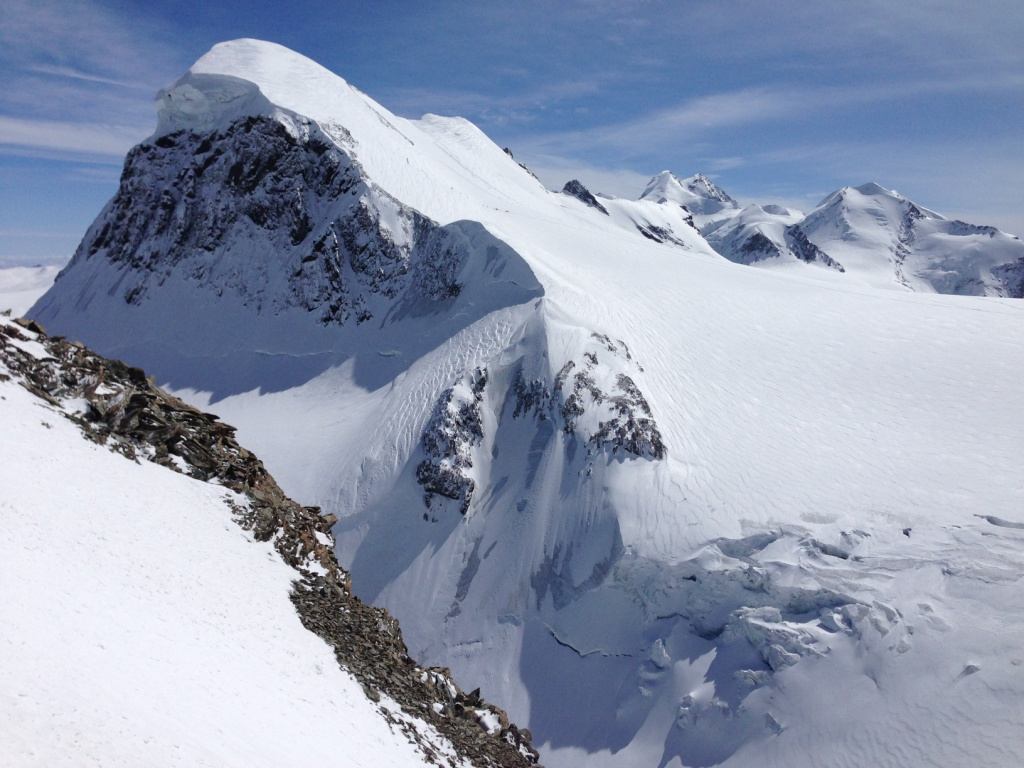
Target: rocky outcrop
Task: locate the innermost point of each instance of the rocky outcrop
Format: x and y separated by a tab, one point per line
757	247
702	186
576	189
455	427
275	213
661	234
1012	277
807	251
116	405
600	404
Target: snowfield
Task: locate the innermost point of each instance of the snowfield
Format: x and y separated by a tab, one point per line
664	508
142	626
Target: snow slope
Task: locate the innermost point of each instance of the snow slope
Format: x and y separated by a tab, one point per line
666	509
142	626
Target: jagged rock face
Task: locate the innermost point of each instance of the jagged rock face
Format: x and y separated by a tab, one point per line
807	251
455	428
581	193
1012	277
624	423
597	404
273	213
757	247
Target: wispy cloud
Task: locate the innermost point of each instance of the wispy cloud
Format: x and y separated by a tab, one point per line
662	127
73	137
700	117
75	78
75	74
487	108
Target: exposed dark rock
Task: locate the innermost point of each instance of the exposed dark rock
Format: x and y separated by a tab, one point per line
807	251
311	224
455	427
627	426
962	228
661	234
1011	275
758	247
576	189
703	186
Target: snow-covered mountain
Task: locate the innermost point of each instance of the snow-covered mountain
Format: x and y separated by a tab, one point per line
701	197
172	620
769	236
881	237
663	508
873	235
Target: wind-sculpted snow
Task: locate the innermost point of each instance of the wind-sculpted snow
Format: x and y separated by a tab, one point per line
599	405
199	606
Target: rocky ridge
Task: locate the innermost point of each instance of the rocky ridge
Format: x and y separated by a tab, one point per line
276	213
116	405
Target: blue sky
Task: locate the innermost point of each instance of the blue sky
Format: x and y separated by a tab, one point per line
779	102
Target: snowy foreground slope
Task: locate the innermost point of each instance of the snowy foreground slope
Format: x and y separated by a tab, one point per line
148	621
664	508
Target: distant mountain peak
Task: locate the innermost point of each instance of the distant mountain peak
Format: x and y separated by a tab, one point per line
697	193
873	188
701	185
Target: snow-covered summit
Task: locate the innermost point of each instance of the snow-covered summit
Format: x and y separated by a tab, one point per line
249	77
666	187
701	185
870	235
701	197
885	240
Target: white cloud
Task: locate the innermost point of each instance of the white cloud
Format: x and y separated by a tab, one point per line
75	74
71	137
554	172
77	78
